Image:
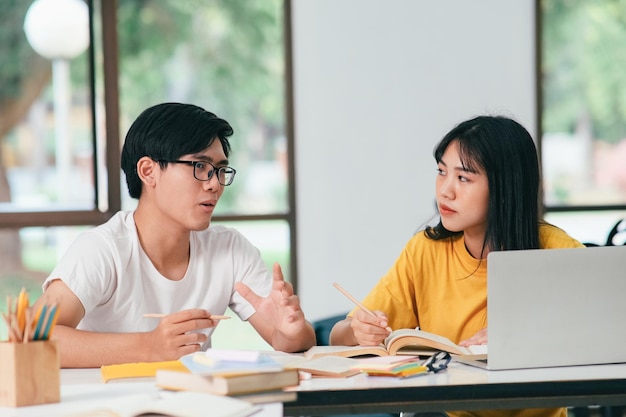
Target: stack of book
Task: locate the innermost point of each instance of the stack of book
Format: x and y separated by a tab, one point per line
229	372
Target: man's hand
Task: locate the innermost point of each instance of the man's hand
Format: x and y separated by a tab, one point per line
279	318
177	334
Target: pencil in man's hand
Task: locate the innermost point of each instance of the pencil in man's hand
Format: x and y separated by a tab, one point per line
160	315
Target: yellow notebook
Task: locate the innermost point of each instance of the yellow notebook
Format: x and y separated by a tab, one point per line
139	370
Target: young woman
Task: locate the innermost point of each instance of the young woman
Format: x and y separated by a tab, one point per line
488	200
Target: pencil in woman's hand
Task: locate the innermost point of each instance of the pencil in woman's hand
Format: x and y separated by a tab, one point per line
354	300
357	302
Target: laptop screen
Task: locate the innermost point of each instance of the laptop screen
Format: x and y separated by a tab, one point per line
545	307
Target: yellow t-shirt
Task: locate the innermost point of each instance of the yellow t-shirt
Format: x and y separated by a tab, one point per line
438	286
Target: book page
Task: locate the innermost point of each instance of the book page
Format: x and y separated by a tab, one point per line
419	340
195	404
171	404
384	363
345	351
200	363
478	349
328	366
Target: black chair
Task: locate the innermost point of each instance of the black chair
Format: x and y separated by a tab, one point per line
616	236
324	326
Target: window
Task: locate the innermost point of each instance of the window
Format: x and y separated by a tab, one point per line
583	93
226	56
236	71
51	161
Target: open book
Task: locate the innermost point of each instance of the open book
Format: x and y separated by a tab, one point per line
326	366
399	342
180	404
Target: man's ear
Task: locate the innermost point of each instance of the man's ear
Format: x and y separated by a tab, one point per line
147	170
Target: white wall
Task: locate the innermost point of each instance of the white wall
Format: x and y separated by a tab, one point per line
376	84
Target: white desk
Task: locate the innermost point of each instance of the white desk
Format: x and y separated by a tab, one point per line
463	387
83	392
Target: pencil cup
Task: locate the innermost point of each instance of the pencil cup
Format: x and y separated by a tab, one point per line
29	373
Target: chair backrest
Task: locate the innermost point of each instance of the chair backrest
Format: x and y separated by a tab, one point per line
324	326
617	235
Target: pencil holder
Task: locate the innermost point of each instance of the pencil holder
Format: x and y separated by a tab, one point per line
29	373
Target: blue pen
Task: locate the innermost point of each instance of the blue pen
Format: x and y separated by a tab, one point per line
50	319
40	319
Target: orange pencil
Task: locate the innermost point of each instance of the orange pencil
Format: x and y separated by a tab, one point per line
20	309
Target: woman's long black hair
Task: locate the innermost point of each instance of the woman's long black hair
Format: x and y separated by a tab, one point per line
505	151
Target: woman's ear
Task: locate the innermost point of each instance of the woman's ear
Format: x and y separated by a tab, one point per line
147	171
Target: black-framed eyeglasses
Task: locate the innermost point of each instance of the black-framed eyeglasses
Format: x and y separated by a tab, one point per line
437	362
203	171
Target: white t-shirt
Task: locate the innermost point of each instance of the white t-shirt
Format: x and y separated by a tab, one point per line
117	284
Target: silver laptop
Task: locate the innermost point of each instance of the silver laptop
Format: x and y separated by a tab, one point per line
555	307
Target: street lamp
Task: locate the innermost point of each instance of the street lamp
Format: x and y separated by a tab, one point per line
59	31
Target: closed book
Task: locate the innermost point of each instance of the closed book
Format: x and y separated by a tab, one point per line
233	384
138	370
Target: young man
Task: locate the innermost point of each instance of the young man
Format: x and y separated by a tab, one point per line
163	257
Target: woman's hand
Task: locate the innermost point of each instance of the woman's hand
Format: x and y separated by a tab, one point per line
479	338
369	330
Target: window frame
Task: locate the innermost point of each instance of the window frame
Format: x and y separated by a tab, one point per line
547	208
